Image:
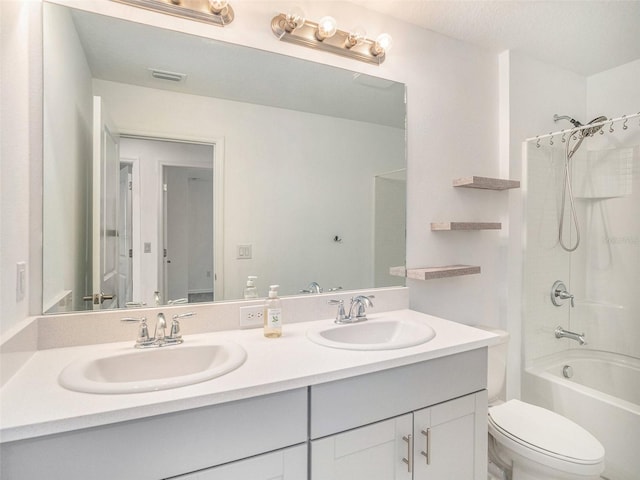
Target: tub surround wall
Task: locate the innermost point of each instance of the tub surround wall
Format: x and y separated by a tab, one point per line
614	93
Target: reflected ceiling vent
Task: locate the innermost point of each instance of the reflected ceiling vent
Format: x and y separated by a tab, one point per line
168	76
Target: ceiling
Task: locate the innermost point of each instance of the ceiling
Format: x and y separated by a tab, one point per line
586	37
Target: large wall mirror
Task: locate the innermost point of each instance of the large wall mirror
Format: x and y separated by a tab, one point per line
176	166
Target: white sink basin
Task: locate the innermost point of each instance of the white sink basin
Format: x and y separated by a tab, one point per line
380	334
131	370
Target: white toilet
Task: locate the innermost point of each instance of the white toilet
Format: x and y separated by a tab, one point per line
532	443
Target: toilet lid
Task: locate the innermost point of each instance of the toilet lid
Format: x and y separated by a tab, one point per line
546	431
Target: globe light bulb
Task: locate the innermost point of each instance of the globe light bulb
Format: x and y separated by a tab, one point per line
382	44
294	19
327	27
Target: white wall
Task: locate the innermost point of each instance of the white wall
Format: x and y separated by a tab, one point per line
20	152
67	143
614	92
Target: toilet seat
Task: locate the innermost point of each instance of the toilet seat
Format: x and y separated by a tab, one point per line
544	436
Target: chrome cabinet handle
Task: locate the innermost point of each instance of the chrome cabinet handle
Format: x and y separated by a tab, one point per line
409	459
427	448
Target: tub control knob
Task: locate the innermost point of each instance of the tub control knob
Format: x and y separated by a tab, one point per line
559	293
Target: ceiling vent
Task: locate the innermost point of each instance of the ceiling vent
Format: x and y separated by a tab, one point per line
167	76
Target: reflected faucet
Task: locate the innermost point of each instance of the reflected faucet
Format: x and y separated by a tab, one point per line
578	337
314	287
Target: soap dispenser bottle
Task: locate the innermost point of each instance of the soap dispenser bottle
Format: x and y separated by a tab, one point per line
272	314
250	290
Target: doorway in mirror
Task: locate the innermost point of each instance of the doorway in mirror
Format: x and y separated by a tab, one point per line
173	229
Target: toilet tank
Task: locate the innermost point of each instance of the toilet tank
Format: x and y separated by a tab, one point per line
497	365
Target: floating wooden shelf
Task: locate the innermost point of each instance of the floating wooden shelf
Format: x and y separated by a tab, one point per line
430	273
448	226
398	271
486	183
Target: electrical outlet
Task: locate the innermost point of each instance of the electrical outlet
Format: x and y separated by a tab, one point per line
251	316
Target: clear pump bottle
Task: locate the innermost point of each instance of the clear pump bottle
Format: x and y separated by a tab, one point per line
273	314
250	290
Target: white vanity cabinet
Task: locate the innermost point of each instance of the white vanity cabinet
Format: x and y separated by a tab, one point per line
447	440
365	426
285	464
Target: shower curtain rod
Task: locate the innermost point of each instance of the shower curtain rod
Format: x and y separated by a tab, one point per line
609	121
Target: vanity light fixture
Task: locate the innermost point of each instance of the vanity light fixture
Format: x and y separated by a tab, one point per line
216	12
292	27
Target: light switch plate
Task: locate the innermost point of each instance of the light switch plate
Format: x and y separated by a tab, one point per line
21	280
244	252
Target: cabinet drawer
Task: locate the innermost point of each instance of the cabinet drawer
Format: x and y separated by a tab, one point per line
357	401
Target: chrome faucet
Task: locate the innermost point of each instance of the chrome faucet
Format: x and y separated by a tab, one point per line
161	326
559	292
356	310
578	337
159	339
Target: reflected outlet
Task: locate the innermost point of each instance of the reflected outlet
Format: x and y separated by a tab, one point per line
251	316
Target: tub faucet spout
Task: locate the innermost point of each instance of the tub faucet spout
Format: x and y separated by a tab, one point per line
578	337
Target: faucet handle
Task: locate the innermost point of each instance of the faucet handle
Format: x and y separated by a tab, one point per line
174	332
341	315
143	331
178	301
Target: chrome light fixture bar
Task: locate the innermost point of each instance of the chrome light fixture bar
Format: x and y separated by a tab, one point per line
216	12
325	36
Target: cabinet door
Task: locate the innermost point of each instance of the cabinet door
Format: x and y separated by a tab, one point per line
373	452
286	464
446	440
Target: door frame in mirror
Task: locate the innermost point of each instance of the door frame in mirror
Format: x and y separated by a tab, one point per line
217	143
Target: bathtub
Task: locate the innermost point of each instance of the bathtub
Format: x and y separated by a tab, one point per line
601	393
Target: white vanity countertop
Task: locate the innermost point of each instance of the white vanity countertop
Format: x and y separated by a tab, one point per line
32	403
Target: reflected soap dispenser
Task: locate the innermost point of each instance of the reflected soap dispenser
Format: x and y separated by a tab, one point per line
273	314
250	290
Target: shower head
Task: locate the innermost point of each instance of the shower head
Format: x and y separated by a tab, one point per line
586	132
593	130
